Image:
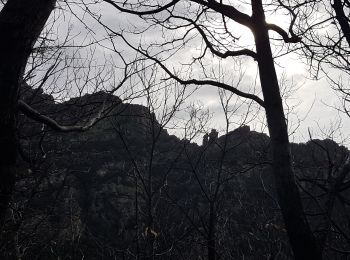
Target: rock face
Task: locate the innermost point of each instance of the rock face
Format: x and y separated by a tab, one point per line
126	189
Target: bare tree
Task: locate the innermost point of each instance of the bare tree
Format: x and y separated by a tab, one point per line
325	30
209	23
58	65
20	24
210	176
156	168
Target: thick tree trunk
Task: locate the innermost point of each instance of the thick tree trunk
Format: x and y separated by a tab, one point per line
301	238
21	22
342	19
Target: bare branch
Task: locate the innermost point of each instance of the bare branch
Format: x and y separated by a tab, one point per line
132	11
245	52
283	33
195	81
228	11
37	116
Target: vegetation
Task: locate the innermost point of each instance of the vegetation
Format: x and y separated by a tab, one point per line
55	89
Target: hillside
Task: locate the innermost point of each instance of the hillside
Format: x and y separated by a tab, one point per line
126	189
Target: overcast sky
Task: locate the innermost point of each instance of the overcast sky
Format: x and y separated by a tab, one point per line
312	100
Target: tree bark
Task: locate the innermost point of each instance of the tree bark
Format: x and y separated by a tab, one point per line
21	23
342	19
301	238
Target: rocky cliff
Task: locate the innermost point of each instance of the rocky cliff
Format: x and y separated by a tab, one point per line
126	189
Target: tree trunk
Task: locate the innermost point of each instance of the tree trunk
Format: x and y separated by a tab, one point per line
301	238
342	19
211	233
21	23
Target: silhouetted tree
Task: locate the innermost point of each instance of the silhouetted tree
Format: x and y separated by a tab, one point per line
325	30
20	26
208	22
28	53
